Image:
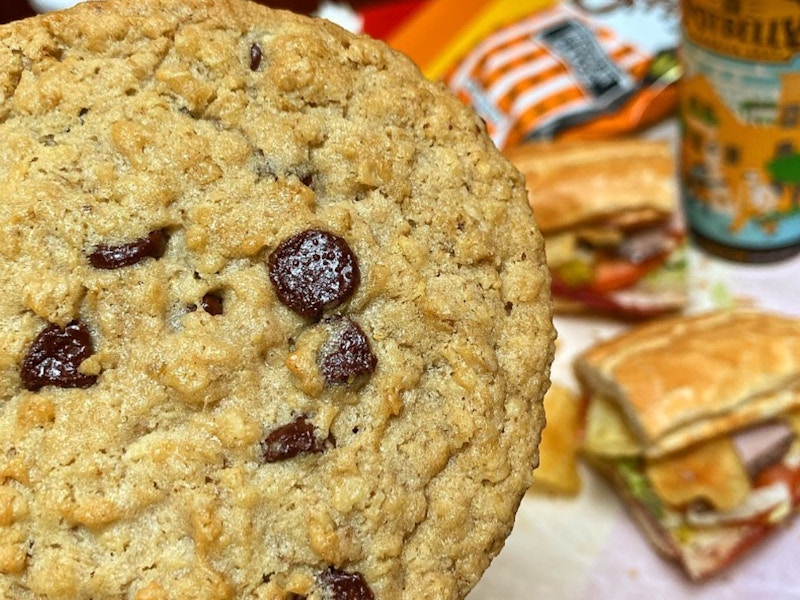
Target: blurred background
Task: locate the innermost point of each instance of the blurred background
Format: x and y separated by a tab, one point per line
374	17
11	10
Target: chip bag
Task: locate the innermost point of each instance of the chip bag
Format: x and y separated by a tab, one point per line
567	71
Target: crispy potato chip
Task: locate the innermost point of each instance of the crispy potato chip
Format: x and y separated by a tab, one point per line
558	463
711	470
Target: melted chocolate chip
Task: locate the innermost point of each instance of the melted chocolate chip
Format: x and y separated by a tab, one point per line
125	255
313	270
55	356
297	437
255	57
212	304
347	353
341	585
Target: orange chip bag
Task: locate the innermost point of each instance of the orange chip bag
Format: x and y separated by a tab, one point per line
566	71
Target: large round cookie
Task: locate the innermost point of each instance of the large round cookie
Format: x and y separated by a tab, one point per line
274	316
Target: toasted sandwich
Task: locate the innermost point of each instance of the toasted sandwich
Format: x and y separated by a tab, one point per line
608	210
695	421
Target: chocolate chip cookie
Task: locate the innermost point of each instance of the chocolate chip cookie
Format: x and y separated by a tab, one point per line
274	313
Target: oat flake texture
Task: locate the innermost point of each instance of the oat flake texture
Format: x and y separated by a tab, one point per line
166	430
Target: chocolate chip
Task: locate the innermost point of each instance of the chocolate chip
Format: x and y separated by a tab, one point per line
313	270
341	585
347	353
55	356
255	57
297	437
212	304
307	179
125	255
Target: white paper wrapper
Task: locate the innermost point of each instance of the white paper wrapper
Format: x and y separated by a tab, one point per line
588	548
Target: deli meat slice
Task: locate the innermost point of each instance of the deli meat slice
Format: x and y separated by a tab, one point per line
763	445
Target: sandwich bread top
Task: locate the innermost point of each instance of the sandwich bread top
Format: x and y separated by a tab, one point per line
583	182
685	379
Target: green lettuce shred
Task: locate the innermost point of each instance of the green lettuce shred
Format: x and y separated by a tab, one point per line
630	469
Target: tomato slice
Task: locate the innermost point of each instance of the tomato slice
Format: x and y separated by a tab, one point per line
781	472
612	274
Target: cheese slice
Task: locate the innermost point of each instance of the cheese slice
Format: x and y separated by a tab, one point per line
711	471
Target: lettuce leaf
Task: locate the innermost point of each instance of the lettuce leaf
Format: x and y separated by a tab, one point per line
632	474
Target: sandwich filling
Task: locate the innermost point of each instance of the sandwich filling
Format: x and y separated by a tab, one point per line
608	210
631	262
706	504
